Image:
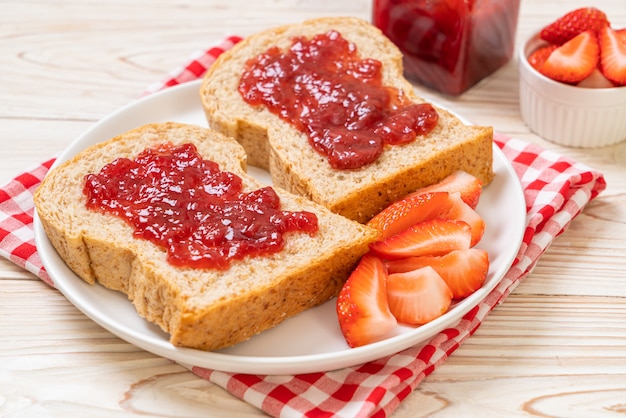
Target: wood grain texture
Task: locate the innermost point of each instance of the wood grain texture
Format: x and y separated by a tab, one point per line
555	348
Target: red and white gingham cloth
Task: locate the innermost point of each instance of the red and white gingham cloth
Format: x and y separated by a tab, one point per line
556	191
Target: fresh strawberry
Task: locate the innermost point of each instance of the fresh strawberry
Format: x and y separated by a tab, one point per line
461	211
575	60
463	270
362	308
419	296
540	55
417	208
460	181
573	23
596	80
613	55
408	211
432	237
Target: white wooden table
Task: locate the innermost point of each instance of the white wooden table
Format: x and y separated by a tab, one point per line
556	347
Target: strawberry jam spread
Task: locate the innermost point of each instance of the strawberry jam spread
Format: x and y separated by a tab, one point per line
187	205
325	90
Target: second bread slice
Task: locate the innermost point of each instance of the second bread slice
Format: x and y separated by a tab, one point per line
276	145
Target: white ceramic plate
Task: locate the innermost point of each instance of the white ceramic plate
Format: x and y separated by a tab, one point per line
311	341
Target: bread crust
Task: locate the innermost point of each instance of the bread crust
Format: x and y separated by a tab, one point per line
204	309
293	164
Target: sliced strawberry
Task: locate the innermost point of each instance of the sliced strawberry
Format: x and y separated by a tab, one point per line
463	270
613	56
540	55
362	308
573	61
432	237
408	211
417	208
596	80
460	181
419	296
461	211
573	23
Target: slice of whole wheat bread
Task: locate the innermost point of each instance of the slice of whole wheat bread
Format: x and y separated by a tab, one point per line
293	164
199	308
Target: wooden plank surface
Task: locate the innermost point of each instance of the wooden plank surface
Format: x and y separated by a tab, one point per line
556	347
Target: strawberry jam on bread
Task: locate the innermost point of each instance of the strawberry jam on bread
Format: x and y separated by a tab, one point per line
349	123
204	308
201	215
274	143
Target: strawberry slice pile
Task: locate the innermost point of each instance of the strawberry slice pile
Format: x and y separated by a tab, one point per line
583	50
424	260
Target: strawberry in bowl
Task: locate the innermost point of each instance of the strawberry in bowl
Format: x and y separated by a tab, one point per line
579	44
573	80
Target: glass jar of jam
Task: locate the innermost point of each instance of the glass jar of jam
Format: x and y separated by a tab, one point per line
450	45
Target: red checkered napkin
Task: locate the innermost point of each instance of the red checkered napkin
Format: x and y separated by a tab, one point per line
556	190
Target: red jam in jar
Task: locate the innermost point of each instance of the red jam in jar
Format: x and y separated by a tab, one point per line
188	206
450	45
325	90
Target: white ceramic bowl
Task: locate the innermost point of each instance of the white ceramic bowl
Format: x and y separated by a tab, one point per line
568	115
